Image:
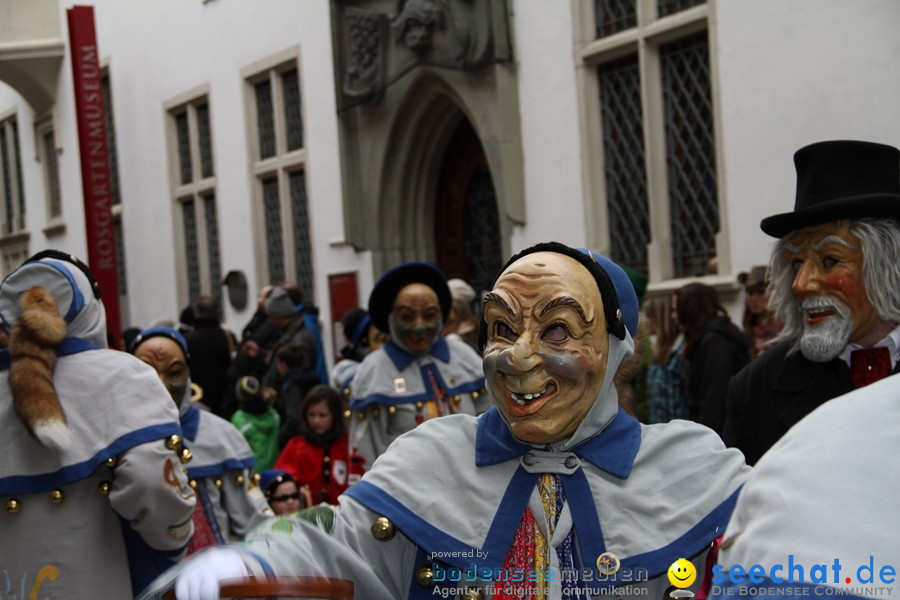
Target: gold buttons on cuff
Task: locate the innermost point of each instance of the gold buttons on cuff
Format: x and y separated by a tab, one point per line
173	442
56	496
425	576
105	487
383	530
13	506
392	410
112	461
239	480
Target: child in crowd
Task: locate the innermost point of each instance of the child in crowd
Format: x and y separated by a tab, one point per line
319	456
282	492
295	381
257	421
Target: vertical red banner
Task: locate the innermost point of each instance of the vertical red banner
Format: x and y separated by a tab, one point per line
95	180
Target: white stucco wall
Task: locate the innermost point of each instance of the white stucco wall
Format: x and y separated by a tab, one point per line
793	73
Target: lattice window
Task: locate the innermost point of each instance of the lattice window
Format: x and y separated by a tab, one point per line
274	245
191	252
690	154
665	8
613	16
111	140
184	147
483	249
120	258
204	141
212	246
265	119
290	83
11	167
280	169
303	270
52	171
624	162
195	191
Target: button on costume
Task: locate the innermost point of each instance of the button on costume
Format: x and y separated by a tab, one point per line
465	507
395	389
96	504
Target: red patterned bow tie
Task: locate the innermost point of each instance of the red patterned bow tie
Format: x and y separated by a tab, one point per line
869	365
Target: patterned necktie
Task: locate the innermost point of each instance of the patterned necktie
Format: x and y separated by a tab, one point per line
868	365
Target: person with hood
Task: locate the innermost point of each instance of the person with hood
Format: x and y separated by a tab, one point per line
95	499
714	350
417	374
553	488
229	501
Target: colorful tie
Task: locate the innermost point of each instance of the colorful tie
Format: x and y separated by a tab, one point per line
868	365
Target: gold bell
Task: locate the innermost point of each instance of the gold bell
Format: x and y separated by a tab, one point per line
173	442
56	496
425	576
193	483
347	392
455	398
112	461
383	530
419	405
475	395
472	594
392	410
256	478
376	412
218	483
13	506
185	455
348	413
105	487
239	480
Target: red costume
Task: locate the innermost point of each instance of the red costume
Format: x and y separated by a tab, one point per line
323	468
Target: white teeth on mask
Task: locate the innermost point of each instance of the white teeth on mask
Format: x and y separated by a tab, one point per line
521	399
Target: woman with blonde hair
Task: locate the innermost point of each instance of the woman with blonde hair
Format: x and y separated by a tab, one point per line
666	399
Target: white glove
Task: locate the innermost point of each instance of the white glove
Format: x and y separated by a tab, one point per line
200	578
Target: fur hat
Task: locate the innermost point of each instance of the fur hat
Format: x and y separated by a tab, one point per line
279	304
381	300
839	180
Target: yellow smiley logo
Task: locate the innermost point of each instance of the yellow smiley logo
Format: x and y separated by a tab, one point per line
682	573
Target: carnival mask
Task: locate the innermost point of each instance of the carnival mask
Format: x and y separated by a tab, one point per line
547	344
415	319
167	358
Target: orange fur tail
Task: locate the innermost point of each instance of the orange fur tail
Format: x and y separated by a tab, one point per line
33	341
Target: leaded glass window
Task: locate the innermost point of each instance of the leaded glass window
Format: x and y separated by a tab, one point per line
52	167
192	255
212	246
184	147
690	154
665	8
624	162
290	82
274	244
120	258
11	171
265	119
303	271
613	16
111	141
204	141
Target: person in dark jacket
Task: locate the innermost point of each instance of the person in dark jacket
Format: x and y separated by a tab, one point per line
714	350
211	349
835	285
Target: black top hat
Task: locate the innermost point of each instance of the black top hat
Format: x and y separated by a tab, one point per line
839	180
381	300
